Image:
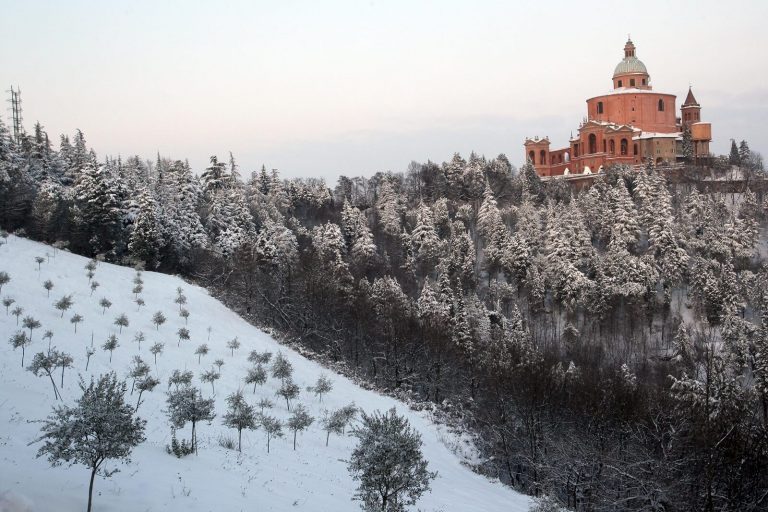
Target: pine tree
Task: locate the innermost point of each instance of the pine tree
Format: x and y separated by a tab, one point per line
734	157
145	240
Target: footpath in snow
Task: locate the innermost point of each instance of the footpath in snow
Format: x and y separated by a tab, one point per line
312	478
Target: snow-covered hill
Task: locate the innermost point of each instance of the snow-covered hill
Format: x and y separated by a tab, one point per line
312	478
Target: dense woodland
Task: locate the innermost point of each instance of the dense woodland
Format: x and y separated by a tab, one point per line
608	348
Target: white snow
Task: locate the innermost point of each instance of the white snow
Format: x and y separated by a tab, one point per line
312	478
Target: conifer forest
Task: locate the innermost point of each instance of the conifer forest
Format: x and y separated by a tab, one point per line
606	346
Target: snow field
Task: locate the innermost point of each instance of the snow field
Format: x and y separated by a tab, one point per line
312	478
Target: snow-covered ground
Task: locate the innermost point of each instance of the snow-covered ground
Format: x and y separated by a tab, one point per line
312	478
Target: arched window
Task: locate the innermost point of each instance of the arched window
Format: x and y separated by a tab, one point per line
623	149
612	145
631	82
620	83
567	157
532	157
635	149
592	143
661	105
599	107
542	157
643	81
576	150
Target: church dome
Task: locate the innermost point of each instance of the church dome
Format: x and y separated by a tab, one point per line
630	65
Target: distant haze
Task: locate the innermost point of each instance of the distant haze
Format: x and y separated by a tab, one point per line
323	88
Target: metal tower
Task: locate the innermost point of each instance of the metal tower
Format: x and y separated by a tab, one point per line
16	113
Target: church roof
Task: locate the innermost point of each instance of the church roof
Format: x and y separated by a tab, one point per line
630	65
690	99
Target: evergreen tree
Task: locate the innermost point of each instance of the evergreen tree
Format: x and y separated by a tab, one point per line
145	239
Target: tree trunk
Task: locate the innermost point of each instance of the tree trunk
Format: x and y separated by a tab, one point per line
294	439
90	488
194	439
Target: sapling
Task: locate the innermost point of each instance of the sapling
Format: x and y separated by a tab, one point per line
179	378
265	403
218	364
49	335
20	339
137	290
156	349
30	323
63	360
299	421
256	375
288	390
240	415
94	285
257	357
138	370
210	376
45	364
76	319
183	334
322	386
139	302
63	304
233	345
272	427
17	311
5	278
138	338
105	304
158	319
121	321
90	275
201	351
209	329
146	384
48	285
89	351
8	302
111	344
281	368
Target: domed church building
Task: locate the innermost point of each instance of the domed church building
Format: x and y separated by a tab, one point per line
632	124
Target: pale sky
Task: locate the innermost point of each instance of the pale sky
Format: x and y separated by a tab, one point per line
323	88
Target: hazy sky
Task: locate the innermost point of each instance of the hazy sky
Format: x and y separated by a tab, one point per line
322	88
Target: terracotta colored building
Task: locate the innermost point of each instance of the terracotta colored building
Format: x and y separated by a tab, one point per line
631	125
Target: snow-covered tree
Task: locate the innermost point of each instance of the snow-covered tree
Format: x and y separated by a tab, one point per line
388	463
146	239
240	415
322	386
299	421
289	390
256	375
272	426
100	427
187	405
20	340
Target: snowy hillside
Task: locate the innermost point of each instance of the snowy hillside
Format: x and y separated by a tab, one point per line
312	478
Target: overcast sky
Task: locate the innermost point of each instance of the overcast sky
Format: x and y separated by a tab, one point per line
323	88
